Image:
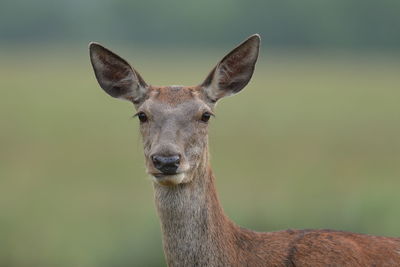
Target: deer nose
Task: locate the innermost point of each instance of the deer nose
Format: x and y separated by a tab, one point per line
167	165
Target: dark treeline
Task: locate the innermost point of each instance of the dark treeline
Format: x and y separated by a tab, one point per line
349	24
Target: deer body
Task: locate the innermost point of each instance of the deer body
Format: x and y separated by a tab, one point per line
196	232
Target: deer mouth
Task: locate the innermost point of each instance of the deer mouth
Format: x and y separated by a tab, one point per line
168	179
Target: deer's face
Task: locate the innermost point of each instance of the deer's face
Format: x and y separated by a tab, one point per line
174	119
174	126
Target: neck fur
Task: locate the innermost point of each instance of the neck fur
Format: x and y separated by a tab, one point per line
196	231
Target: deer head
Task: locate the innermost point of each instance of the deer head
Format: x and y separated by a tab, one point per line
174	119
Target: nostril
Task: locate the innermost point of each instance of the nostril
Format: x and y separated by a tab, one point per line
155	159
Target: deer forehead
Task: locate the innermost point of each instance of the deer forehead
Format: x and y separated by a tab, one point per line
175	94
177	101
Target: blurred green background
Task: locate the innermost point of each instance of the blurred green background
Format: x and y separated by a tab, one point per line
313	142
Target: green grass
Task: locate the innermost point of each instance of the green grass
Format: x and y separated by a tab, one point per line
313	142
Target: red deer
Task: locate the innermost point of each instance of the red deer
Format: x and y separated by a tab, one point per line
196	232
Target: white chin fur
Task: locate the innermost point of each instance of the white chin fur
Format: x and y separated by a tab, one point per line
169	180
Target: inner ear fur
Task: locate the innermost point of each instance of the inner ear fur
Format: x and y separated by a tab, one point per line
234	71
116	76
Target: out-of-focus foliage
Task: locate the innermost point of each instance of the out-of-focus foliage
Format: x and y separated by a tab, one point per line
307	23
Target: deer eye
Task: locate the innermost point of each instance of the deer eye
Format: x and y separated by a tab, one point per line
142	116
206	116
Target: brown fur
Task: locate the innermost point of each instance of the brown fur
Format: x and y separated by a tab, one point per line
173	95
196	232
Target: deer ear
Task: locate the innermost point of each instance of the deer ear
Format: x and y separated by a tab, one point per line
116	76
234	71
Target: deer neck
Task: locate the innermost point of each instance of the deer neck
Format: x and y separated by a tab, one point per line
195	228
